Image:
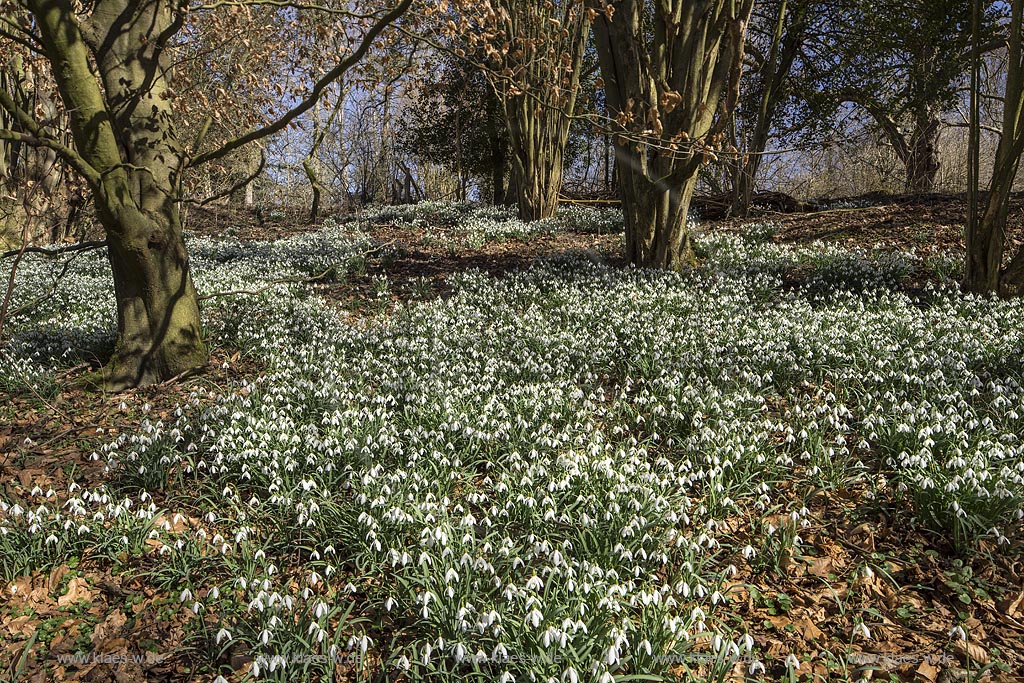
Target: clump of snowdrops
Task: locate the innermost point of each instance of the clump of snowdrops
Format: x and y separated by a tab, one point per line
535	478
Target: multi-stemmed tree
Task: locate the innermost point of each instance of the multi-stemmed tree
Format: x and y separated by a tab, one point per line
671	71
111	61
532	53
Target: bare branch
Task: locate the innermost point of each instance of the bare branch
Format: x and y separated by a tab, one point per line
290	4
37	137
237	186
318	89
45	251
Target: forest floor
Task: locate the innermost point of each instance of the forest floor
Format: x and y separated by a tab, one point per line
811	600
909	223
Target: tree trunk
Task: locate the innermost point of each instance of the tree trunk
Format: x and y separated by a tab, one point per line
747	168
538	137
127	138
672	90
497	163
984	255
787	39
315	186
922	160
986	229
1012	281
539	95
657	234
157	308
511	191
538	182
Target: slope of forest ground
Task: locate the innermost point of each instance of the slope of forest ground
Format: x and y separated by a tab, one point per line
450	445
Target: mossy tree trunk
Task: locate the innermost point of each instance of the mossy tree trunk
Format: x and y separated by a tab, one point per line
109	59
157	308
124	132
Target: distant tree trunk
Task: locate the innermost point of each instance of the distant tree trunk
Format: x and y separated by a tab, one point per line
607	163
309	163
32	176
671	70
538	133
511	191
922	160
787	38
537	154
498	180
497	157
918	149
315	186
459	186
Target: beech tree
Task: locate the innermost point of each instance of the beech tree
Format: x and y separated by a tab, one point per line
111	63
671	71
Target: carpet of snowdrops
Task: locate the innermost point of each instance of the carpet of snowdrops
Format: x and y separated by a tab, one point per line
547	476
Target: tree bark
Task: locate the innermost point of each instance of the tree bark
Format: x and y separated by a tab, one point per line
657	234
671	70
922	160
538	171
157	308
158	334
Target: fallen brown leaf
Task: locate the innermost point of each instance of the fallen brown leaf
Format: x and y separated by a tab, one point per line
1013	607
808	630
78	590
820	566
973	650
927	672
